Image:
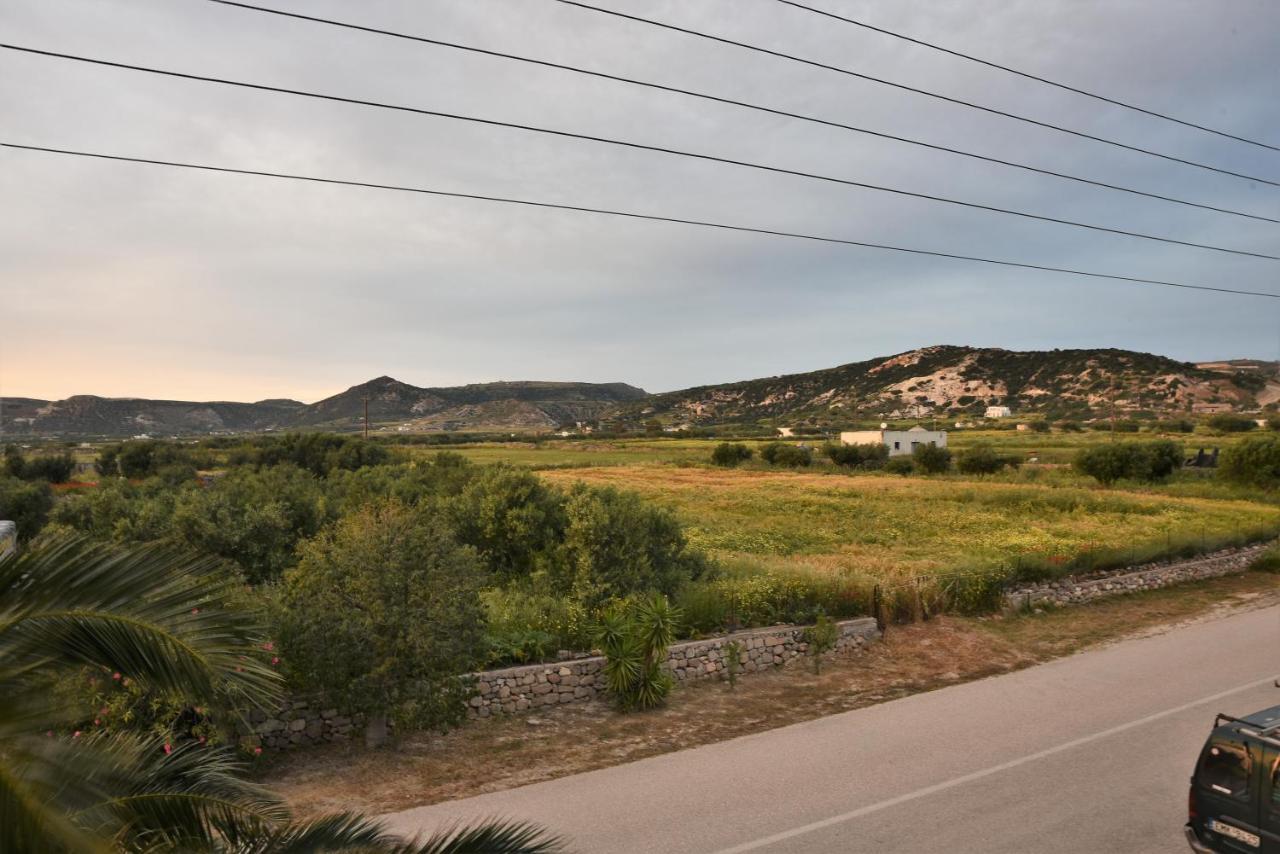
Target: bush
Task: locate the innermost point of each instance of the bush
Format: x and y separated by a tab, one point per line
511	517
635	640
616	544
730	454
1227	422
1145	461
821	637
930	459
1177	425
900	465
52	468
382	615
868	456
983	459
25	504
1254	461
784	454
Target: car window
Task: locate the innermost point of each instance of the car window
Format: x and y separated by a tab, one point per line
1225	768
1275	783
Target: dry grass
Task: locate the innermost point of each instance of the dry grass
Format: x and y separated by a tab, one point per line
498	754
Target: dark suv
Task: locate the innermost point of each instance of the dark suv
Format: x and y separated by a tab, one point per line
1235	790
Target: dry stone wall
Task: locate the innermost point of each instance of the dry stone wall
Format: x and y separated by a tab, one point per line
1072	591
519	689
514	690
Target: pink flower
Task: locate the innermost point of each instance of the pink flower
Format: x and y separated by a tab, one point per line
97	721
275	659
116	676
257	751
49	733
75	734
202	739
168	749
268	646
195	611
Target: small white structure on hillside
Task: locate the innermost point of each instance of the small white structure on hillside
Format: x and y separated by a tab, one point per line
898	442
998	412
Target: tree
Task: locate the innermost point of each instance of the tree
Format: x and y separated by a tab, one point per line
1254	461
15	464
382	615
930	459
616	544
980	459
821	637
867	456
156	615
729	454
1105	463
27	505
107	461
785	454
635	641
511	517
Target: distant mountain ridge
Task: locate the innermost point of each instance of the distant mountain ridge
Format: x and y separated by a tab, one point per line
939	381
532	405
948	380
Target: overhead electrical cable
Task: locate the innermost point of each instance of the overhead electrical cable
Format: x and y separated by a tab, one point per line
627	215
904	87
744	104
1027	75
641	147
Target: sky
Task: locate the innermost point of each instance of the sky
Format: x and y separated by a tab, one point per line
128	280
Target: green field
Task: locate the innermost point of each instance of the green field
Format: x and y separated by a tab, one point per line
829	521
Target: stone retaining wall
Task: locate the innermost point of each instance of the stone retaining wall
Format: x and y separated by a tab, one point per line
513	690
1071	591
518	689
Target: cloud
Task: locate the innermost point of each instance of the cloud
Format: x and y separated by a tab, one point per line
122	279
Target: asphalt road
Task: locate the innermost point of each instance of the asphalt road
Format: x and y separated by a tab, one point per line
1083	754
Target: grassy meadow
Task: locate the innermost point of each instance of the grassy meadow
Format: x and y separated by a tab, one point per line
1042	520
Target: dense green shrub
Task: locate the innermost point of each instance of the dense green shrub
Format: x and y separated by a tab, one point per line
821	638
382	615
930	459
730	454
902	465
26	504
52	468
511	517
867	456
1228	422
255	518
1254	461
983	459
786	454
318	453
616	544
1145	461
1176	425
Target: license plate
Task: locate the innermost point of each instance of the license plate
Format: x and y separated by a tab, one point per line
1250	839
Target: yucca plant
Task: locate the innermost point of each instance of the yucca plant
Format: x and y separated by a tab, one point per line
635	639
159	616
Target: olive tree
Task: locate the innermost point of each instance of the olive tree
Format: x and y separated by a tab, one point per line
382	615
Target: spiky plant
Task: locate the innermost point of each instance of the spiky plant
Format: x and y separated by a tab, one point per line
635	641
159	616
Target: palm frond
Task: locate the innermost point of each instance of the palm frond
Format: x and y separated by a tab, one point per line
153	612
492	836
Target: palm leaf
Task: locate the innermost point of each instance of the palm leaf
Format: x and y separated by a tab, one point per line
493	836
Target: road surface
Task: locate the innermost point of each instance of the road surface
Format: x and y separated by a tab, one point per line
1086	753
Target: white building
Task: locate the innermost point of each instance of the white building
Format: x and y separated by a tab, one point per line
898	442
998	412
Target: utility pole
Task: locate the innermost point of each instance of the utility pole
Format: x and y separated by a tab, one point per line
366	417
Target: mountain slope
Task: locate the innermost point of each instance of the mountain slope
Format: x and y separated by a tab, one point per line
957	380
487	406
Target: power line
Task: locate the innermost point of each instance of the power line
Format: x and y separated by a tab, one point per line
736	103
628	215
904	87
642	147
1027	75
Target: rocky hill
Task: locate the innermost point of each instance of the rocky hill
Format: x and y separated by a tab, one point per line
392	404
963	381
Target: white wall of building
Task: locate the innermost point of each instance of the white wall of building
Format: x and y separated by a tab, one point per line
899	442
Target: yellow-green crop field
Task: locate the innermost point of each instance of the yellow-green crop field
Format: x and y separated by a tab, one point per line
875	524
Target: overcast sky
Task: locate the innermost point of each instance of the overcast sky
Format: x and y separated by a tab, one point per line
128	280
